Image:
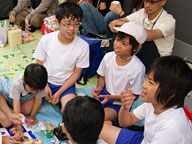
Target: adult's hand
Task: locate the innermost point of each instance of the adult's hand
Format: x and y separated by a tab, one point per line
116	7
27	25
12	18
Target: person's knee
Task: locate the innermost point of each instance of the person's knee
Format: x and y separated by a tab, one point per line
37	21
110	16
4	120
65	99
26	111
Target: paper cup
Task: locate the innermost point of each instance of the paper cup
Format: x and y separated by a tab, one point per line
49	130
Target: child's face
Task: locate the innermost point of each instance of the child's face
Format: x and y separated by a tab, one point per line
122	47
149	89
30	90
68	27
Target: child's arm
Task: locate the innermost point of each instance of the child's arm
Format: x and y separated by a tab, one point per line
35	108
100	85
127	118
16	118
16	107
48	90
69	82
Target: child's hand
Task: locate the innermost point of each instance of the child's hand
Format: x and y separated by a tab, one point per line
10	140
127	99
106	98
18	135
55	99
16	118
95	92
48	93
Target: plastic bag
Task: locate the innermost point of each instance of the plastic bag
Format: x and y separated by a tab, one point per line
3	34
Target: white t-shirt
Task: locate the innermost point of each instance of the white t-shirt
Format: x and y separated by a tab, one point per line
165	23
61	60
17	89
0	139
118	78
169	127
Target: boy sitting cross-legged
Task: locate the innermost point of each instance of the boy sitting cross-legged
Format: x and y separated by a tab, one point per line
63	54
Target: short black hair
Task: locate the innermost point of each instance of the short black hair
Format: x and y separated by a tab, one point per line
69	9
132	41
83	118
35	76
175	80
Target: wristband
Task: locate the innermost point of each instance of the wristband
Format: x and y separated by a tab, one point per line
124	15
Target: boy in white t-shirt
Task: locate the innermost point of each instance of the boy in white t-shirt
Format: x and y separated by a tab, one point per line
121	69
167	83
63	54
24	94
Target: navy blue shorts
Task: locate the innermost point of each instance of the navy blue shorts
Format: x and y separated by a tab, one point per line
109	104
55	88
127	136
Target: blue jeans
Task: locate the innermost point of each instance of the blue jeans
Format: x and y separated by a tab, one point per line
109	17
93	20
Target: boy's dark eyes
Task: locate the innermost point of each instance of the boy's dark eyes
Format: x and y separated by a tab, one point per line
69	24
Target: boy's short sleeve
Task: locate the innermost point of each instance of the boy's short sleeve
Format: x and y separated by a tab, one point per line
0	138
83	59
140	111
102	68
137	81
41	94
15	89
40	52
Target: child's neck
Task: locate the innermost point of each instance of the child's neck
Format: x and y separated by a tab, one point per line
121	61
64	40
158	109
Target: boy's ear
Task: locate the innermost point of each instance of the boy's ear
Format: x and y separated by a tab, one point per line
138	48
64	128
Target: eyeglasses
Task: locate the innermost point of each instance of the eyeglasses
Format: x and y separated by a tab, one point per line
152	1
77	25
